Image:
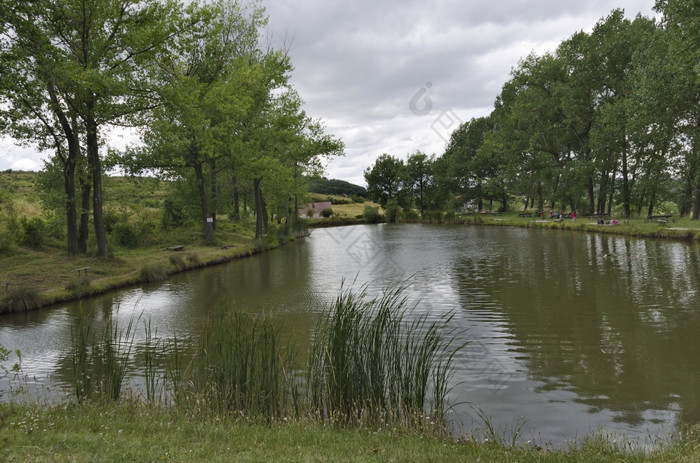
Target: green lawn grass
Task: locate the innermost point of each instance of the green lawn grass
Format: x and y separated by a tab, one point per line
132	431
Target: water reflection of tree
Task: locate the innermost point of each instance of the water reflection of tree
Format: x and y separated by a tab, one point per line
610	319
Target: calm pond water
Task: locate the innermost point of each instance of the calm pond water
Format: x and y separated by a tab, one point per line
570	333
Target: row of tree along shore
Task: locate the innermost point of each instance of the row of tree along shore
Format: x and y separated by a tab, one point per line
608	123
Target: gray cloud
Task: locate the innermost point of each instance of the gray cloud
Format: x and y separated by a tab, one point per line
358	64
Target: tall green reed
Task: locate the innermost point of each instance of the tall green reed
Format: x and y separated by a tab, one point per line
240	367
377	361
99	360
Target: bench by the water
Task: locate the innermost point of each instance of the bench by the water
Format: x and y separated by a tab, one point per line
82	269
663	218
179	247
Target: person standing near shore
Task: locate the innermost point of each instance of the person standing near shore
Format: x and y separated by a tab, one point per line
573	216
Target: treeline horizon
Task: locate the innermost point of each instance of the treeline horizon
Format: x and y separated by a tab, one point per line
607	123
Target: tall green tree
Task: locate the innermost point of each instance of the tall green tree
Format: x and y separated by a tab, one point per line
680	72
89	57
207	80
419	177
384	178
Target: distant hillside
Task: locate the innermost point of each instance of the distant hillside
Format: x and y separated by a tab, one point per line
336	187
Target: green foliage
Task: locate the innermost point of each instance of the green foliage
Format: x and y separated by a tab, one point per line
178	261
125	235
300	226
327	212
432	216
336	187
33	232
154	272
78	283
411	216
392	211
193	259
370	214
173	213
113	216
20	299
7	244
384	178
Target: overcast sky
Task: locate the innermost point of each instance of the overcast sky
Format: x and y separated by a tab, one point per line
397	76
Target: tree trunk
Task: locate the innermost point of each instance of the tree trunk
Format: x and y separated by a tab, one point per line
260	213
287	209
696	208
70	130
86	196
96	170
625	183
209	235
591	195
71	209
214	196
236	204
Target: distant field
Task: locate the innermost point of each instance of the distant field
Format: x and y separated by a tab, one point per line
343	210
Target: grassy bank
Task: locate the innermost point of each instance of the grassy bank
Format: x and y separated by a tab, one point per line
132	431
672	228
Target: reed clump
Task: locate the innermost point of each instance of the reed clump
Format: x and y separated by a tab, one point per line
374	361
154	272
99	359
20	299
239	367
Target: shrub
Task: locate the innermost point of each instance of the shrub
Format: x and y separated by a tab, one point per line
357	199
327	212
78	283
432	216
154	272
22	298
281	233
261	244
33	232
178	261
56	228
125	235
7	244
173	214
111	217
146	231
411	216
370	214
300	226
392	211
